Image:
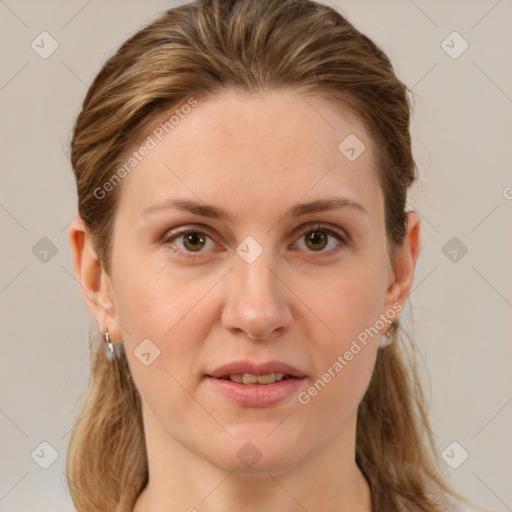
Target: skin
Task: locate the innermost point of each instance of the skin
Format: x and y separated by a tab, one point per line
256	156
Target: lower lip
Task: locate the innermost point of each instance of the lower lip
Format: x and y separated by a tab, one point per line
257	395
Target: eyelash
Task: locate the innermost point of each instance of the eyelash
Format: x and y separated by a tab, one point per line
171	236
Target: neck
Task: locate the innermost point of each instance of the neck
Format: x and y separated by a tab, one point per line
180	479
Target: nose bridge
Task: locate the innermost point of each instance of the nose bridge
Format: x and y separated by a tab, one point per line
257	302
259	281
252	263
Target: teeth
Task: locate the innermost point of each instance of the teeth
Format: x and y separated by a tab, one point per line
268	379
247	378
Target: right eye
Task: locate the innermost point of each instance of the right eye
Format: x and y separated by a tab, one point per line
190	241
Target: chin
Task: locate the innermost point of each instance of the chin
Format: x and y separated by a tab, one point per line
258	455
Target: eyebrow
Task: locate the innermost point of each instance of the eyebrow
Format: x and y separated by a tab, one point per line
216	212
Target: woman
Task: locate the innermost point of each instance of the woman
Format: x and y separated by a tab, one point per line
242	171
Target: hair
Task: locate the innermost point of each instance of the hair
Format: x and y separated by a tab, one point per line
201	49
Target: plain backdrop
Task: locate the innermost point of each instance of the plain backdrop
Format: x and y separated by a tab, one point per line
462	295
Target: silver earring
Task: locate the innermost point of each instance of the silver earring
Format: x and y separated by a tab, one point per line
387	339
109	346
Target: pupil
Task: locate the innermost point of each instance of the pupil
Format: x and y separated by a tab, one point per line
315	239
193	238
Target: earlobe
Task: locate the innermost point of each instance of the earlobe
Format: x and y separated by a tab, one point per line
92	277
405	262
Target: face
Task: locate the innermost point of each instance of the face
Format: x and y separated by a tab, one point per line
266	282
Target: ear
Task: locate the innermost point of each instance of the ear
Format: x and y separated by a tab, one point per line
93	279
405	263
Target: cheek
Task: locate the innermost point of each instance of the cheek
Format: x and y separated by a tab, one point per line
346	337
166	314
343	367
334	397
152	298
162	338
345	302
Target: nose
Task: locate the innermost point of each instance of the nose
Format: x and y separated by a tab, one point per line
258	301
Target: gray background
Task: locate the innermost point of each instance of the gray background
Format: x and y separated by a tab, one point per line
461	309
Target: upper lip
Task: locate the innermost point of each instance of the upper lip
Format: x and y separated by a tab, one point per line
241	367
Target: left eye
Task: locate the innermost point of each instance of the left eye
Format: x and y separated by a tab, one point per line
316	239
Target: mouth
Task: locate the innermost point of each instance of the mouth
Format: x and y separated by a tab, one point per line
256	385
249	372
250	379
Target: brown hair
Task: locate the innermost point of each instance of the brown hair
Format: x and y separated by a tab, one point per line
202	48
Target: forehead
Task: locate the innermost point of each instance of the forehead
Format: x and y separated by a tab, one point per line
273	147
